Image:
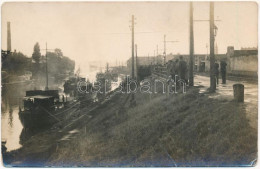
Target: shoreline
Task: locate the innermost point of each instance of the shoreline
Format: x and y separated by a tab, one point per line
104	135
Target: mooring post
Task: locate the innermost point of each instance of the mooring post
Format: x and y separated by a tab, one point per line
238	90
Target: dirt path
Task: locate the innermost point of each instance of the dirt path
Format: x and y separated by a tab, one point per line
225	92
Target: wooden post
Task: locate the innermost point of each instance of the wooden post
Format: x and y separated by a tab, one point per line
212	55
191	79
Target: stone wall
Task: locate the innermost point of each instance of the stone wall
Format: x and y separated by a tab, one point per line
242	62
244	65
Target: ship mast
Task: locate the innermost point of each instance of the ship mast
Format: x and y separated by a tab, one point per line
46	87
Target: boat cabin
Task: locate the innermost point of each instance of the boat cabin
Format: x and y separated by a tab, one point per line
54	93
39	102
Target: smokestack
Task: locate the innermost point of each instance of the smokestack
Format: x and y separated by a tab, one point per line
9	36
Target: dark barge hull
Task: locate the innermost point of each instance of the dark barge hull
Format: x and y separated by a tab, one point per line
36	119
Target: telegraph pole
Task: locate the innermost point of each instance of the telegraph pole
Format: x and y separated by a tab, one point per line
9	48
164	51
46	88
191	78
212	35
107	67
133	59
212	56
136	62
157	59
157	50
207	49
132	101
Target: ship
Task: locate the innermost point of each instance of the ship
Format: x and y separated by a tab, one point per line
103	83
41	109
44	108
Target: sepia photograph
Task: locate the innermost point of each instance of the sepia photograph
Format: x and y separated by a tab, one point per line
129	84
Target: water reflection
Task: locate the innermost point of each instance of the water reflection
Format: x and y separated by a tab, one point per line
12	130
10	122
11	126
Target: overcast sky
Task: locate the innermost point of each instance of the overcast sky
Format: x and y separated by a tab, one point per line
87	31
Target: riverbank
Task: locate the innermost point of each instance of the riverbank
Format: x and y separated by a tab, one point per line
184	129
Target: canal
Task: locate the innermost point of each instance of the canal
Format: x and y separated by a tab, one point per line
11	127
12	130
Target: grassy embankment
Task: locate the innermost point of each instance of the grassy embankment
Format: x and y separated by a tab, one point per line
182	130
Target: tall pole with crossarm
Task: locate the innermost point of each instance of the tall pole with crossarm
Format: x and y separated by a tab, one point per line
191	79
136	62
133	57
212	55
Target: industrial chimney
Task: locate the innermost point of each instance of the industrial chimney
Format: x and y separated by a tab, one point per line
9	36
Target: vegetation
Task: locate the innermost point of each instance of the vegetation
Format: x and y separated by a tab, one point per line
59	66
36	53
16	63
184	129
181	130
144	71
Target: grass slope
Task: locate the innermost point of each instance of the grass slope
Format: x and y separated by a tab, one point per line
180	130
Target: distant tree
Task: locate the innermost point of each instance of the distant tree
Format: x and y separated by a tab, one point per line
36	58
36	53
59	65
16	63
58	52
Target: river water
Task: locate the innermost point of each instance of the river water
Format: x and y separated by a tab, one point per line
11	128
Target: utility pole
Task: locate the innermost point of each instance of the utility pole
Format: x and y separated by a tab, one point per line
212	56
149	60
157	50
107	67
133	59
136	62
213	31
132	101
164	51
9	48
46	88
191	78
207	49
157	60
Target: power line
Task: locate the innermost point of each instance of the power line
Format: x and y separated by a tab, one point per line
127	33
164	52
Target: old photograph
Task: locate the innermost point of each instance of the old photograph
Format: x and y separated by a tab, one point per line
129	84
